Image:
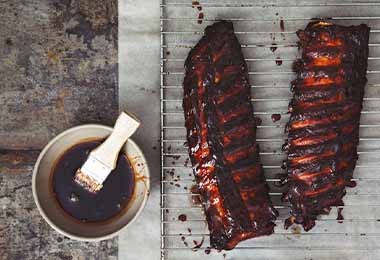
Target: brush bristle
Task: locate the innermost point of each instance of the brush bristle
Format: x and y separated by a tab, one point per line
87	182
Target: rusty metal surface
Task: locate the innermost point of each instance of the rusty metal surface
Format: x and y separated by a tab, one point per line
58	68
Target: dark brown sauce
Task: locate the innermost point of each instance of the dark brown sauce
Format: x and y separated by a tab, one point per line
273	36
275	117
182	217
200	17
351	184
278	61
340	217
197	5
198	245
207	251
195	195
194	4
282	25
273	48
186	162
82	205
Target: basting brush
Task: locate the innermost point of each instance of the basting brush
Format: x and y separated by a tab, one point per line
102	160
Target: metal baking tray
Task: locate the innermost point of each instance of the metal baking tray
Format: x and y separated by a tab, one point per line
259	26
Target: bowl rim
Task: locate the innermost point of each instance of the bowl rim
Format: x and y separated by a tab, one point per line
50	222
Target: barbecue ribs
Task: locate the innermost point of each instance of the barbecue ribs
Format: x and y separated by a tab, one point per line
323	130
221	139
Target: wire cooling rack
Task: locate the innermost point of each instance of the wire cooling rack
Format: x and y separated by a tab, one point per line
267	34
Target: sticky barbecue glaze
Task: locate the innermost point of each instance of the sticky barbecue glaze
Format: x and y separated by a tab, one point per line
323	130
82	205
221	138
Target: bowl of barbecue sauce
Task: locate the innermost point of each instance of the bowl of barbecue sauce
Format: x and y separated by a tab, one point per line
72	210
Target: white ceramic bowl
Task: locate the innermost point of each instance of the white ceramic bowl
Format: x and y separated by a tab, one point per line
50	209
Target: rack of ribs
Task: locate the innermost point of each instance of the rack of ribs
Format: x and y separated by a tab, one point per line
323	130
221	140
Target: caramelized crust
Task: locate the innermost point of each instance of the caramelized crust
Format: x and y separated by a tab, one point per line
221	138
323	130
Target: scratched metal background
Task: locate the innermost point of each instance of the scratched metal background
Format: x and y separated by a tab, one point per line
58	68
257	25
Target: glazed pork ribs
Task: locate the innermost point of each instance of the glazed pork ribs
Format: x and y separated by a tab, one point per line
221	140
323	130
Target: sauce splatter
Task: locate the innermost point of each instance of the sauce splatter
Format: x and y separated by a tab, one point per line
278	61
258	121
207	251
275	117
273	36
340	217
198	245
273	48
186	162
182	217
195	195
196	4
351	184
200	17
282	25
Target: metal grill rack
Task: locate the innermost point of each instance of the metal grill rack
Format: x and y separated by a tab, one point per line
258	28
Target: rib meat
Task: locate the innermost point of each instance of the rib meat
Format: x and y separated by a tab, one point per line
221	139
323	131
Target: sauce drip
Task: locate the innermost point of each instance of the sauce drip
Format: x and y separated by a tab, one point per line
198	245
340	217
282	26
182	217
200	17
82	205
275	117
278	61
273	48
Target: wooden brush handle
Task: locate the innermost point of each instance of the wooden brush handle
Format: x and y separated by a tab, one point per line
108	151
